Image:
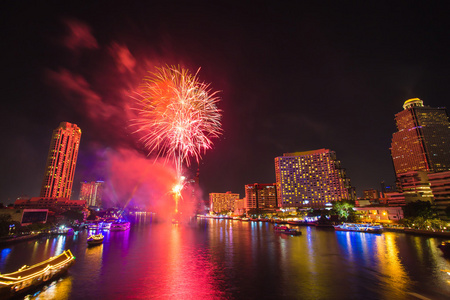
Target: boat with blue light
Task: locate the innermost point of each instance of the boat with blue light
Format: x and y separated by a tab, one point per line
359	227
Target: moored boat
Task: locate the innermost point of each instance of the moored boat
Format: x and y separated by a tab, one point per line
245	219
359	227
297	222
445	248
30	277
95	239
287	230
120	226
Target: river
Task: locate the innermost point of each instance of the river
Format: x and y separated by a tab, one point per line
229	259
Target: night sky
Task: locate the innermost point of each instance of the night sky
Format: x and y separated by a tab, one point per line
293	76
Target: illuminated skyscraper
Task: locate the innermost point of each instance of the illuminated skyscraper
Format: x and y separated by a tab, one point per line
422	142
262	196
311	179
61	161
92	192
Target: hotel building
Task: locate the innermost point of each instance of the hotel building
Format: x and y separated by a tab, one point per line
311	179
61	161
422	142
92	192
261	195
420	152
221	202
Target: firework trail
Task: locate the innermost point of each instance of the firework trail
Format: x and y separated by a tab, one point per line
177	116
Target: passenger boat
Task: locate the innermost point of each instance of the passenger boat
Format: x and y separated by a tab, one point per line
363	227
445	248
296	222
29	277
95	239
120	226
287	230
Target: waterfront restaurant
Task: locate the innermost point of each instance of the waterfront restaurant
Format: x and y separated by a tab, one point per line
382	214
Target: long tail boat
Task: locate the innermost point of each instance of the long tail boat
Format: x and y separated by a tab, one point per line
30	277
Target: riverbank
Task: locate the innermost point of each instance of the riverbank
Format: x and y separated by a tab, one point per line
16	239
432	233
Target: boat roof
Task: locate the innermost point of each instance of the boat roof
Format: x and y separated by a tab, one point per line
25	271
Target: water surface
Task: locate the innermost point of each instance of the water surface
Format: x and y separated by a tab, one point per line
226	259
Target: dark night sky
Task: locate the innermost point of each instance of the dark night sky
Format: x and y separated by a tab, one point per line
292	77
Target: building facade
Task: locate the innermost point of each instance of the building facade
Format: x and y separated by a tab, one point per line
422	142
440	186
92	192
371	194
261	196
61	161
311	179
50	203
222	202
380	214
239	207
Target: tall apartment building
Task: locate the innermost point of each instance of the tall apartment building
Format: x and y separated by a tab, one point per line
92	192
220	202
422	142
261	195
311	179
61	161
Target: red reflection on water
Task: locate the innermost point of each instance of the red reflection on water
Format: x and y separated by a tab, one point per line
183	269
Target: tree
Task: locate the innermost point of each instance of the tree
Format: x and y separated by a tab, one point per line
92	215
73	215
418	209
344	209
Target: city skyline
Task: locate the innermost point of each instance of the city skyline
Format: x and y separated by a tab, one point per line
292	77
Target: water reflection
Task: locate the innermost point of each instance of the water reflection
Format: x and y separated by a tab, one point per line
391	270
59	289
226	259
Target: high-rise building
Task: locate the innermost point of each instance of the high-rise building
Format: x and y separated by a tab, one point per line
260	195
92	192
311	179
422	142
61	161
221	202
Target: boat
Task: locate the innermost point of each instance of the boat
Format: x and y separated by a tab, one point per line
287	230
96	239
359	227
296	222
120	226
280	221
30	277
445	248
62	230
245	219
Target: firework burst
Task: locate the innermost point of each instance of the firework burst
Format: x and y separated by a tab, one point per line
177	115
